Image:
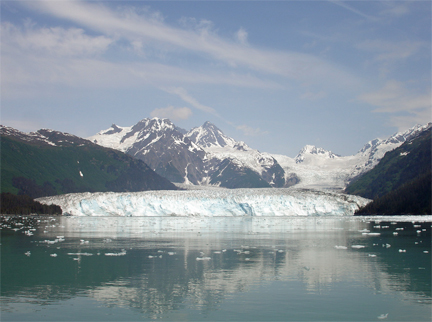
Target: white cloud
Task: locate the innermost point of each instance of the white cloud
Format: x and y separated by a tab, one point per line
242	36
154	32
55	41
249	131
354	10
404	122
394	97
184	95
172	113
387	51
404	107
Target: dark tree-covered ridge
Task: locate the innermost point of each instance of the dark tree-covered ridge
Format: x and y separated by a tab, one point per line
24	205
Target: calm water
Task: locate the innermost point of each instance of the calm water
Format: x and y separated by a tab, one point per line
211	269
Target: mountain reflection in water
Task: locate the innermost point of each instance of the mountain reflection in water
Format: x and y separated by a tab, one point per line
198	268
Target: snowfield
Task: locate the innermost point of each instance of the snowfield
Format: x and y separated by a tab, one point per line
209	203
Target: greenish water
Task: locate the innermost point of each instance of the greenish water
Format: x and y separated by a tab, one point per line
215	269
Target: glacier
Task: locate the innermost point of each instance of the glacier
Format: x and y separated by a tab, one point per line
209	203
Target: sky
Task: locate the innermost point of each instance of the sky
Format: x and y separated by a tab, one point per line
275	74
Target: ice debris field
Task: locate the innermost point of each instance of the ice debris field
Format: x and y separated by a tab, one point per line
209	203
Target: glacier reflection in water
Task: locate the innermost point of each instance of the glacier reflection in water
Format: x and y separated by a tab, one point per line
220	268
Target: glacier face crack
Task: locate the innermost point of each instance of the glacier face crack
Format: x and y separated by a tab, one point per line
209	203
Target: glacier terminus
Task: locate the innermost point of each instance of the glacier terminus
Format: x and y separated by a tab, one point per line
210	203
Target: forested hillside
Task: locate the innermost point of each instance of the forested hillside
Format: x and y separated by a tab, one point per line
401	182
50	163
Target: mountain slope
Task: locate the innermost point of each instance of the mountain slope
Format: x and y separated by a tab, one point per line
413	197
318	168
50	162
398	167
161	145
259	167
202	156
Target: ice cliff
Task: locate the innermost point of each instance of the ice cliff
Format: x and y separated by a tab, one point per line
214	202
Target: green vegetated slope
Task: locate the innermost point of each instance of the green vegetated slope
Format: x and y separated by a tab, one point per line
37	169
401	182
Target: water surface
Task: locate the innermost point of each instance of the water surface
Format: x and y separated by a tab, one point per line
211	269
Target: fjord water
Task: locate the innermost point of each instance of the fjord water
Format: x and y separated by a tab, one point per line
212	269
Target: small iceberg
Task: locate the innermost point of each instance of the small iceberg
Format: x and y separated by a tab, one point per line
340	247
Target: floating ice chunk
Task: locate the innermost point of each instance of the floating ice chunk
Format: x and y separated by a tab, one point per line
395	233
53	255
358	246
402	250
27	253
426	252
203	258
341	247
372	255
373	234
122	253
383	316
80	254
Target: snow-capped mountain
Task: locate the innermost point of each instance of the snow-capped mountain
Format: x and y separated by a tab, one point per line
312	154
318	168
209	136
161	145
202	156
220	147
206	156
374	150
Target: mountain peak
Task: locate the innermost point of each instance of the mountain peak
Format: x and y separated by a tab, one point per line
208	135
313	150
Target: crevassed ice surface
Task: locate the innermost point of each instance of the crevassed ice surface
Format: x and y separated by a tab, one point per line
207	203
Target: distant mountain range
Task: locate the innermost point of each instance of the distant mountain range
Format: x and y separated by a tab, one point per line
50	162
206	156
153	152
